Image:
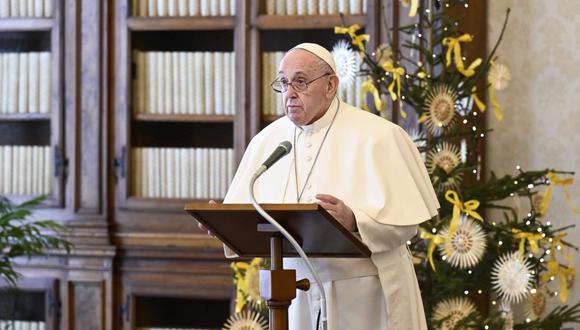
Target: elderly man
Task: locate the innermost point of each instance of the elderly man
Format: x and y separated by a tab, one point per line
367	173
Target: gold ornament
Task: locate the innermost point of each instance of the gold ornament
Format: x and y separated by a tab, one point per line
440	108
447	157
499	76
466	246
453	310
536	303
246	321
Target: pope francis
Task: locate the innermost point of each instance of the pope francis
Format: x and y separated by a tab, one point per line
367	173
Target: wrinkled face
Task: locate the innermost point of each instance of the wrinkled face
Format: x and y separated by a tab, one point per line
305	107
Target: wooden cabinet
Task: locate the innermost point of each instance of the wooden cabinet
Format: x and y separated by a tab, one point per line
138	256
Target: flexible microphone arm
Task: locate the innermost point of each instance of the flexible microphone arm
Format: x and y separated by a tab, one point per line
295	244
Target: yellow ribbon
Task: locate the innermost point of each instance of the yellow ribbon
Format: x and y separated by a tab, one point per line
554	269
454	46
434	241
477	100
532	238
369	87
414	7
397	73
240	284
468	207
495	104
557	181
356	40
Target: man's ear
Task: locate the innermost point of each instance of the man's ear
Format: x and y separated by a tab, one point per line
332	87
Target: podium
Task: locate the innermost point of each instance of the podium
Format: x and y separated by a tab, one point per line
245	232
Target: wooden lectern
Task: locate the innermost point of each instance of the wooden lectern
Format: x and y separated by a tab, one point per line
244	231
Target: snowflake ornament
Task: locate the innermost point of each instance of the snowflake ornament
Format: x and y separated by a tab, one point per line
465	248
447	157
246	321
536	303
453	310
511	277
440	108
346	63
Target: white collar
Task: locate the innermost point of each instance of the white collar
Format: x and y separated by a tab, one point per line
323	121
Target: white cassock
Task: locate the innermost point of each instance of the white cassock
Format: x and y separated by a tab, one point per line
375	168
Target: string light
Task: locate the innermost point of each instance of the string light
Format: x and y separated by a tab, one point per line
469	272
444	258
512	194
548	252
408	242
465	121
528	320
530	255
474	128
541	259
516	182
493	224
531	186
480	291
474	171
493	302
466	5
529	214
548	223
481	135
466	292
486	327
533	291
518	167
434	231
528	223
539	230
500	243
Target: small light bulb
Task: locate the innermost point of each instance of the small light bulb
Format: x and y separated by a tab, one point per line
548	223
466	5
408	242
479	291
419	35
493	302
493	224
541	259
528	223
516	182
518	167
552	278
550	239
529	215
474	171
539	230
531	186
434	230
486	327
481	135
512	194
530	255
474	128
500	243
466	292
465	121
548	252
469	272
444	258
528	320
559	247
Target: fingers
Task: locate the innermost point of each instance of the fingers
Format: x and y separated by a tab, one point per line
326	198
211	201
204	228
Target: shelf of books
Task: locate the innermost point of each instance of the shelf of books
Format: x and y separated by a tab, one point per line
177	139
30	101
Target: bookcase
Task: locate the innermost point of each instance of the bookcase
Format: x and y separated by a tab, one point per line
124	153
31	112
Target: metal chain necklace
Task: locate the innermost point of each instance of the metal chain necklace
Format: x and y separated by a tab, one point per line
299	195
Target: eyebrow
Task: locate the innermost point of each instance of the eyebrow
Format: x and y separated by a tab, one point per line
295	73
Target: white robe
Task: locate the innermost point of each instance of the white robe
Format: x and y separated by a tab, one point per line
374	167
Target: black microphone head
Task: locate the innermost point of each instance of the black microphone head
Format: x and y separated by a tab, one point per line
286	145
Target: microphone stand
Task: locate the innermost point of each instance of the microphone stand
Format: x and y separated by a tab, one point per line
279	309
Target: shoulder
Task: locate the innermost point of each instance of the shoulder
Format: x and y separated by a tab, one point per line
367	125
275	131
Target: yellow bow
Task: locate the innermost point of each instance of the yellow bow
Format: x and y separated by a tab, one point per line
477	100
397	73
532	238
434	241
454	46
241	287
557	181
468	207
356	40
369	87
554	269
414	7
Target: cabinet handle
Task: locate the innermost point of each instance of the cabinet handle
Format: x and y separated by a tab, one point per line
119	165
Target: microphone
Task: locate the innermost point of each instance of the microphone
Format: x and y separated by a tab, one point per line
281	150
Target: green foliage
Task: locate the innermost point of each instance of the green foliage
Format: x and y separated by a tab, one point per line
20	236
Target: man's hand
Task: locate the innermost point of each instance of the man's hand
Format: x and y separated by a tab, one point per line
339	210
204	228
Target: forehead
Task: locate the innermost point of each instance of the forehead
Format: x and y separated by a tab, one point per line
299	61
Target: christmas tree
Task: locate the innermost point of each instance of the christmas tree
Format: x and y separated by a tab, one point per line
481	250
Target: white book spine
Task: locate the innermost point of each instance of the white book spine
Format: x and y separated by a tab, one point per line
33	83
224	7
204	7
40	165
4	8
182	9
323	7
7	170
48	8
29	169
44	99
152	176
333	7
199	173
23	83
183	177
199	78
343	6
144	191
152	8
176	88
218	80
23	8
161	77
206	173
208	84
214	8
30	11
3	81
280	7
2	176
223	172
292	7
233	83
270	7
14	11
172	7
174	172
364	6
231	165
162	7
211	173
152	99
300	7
182	71
228	77
355	6
21	187
191	181
279	100
47	170
194	8
38	10
13	59
312	7
168	85
233	7
190	74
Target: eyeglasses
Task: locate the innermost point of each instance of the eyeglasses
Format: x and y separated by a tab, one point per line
281	86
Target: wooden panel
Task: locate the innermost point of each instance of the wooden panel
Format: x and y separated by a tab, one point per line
86	301
180	23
